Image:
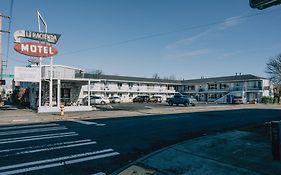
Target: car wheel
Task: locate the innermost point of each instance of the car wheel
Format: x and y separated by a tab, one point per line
185	104
102	102
170	103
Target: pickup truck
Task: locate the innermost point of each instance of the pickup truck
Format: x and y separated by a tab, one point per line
182	99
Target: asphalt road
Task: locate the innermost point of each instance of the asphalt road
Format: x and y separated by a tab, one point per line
103	146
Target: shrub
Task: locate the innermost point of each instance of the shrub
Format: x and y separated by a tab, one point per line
267	100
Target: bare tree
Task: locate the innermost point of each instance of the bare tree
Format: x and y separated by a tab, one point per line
172	77
96	72
273	68
156	76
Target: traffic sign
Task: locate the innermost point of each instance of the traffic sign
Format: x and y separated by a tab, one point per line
7	75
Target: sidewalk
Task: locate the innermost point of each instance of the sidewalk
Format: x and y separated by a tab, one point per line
231	153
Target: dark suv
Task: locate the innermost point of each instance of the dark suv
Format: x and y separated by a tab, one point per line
141	99
182	99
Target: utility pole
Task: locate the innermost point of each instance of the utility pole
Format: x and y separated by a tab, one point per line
1	52
2	82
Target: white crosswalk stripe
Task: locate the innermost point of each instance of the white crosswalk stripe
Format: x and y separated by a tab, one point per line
39	137
51	148
51	162
44	146
28	126
73	159
32	130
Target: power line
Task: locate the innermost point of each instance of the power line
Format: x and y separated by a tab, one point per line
15	59
183	28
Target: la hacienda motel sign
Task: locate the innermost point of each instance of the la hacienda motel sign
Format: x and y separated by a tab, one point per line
36	49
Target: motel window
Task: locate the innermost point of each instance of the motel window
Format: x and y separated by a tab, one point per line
119	84
212	96
148	86
106	84
65	93
224	86
191	88
212	86
171	87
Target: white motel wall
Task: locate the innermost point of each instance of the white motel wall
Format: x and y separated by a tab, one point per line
71	85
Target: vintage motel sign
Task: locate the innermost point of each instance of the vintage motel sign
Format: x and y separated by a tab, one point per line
35	49
39	36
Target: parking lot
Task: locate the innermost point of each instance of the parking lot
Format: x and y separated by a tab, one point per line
142	106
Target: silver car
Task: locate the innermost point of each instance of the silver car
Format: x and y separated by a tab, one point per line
95	100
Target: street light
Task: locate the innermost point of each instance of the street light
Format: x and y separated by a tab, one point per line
263	4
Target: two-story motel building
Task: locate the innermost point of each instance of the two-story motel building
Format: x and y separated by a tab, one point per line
71	85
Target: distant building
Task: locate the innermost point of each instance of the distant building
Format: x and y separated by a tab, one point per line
224	89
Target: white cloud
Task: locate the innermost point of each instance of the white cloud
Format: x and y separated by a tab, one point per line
230	22
188	41
189	54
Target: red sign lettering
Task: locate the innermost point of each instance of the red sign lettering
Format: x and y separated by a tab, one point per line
35	49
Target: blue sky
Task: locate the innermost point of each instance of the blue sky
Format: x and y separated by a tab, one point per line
196	38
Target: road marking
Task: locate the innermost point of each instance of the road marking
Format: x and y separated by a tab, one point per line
27	126
87	122
100	173
44	146
55	148
38	137
92	158
23	170
32	130
55	159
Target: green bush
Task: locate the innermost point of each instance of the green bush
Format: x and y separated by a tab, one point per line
267	100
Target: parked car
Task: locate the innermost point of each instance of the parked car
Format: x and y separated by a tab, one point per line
155	99
114	99
141	98
182	99
95	100
239	100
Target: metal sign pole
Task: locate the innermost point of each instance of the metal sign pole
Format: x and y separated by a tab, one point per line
40	18
51	83
40	67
